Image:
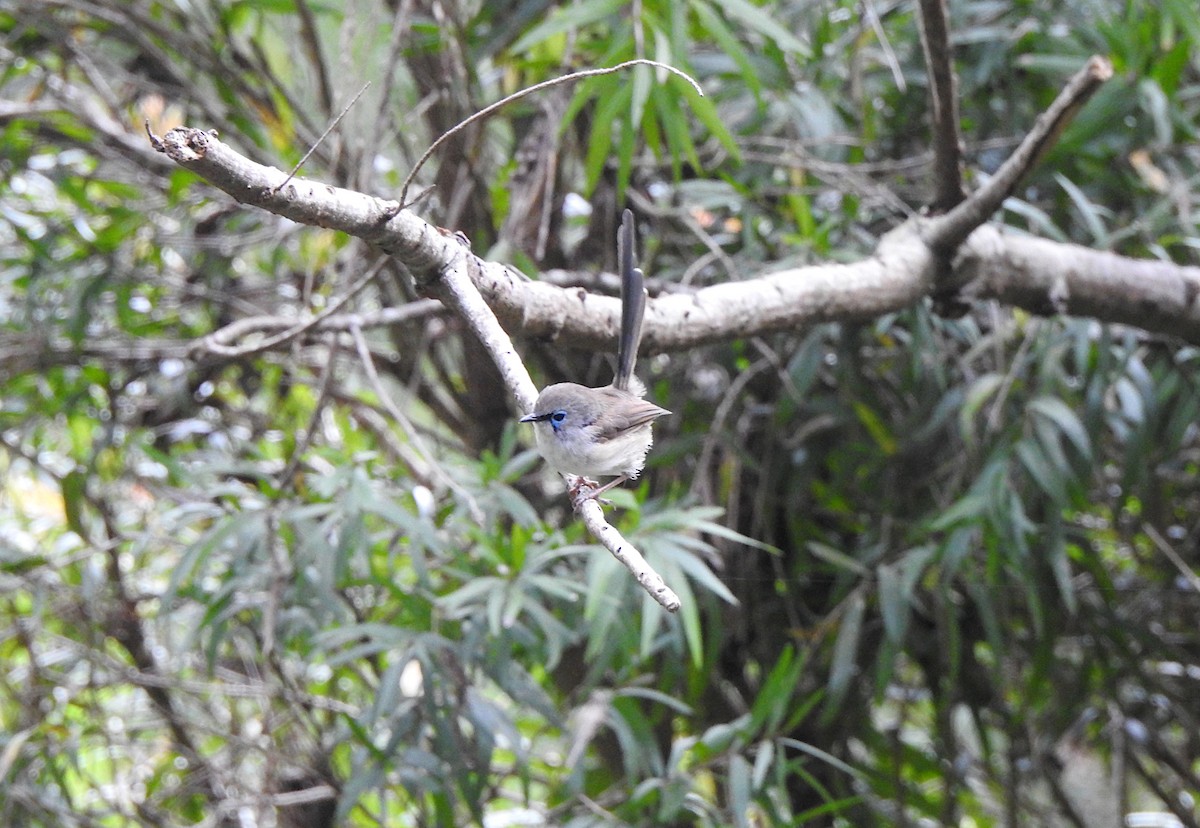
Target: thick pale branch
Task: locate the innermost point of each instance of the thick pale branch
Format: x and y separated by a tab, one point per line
463	296
901	271
421	246
1048	277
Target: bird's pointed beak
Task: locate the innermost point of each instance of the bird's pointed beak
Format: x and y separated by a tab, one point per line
534	418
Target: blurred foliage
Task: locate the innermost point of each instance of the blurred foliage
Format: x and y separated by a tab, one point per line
934	571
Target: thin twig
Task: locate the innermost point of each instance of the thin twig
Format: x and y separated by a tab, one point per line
537	87
1186	571
364	354
312	45
286	477
889	54
324	135
281	574
400	27
214	342
18	356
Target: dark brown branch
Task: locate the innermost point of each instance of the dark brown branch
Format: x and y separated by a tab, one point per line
311	39
945	233
943	106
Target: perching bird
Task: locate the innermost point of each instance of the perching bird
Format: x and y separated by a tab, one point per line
603	432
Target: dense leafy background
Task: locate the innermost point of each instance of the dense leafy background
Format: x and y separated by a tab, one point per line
934	571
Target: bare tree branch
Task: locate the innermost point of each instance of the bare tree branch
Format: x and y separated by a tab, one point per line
946	232
1013	267
943	106
20	354
1048	277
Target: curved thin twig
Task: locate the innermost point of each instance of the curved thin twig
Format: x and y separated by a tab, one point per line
537	87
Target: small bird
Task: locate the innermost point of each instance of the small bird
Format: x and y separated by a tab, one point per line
602	432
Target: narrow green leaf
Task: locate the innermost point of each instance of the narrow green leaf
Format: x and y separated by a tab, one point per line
566	18
1042	472
845	650
613	100
674	125
756	19
74	485
773	701
715	26
897	582
1057	412
699	572
981	391
837	558
1060	564
643	81
1088	210
824	756
762	763
739	789
876	428
725	532
1183	12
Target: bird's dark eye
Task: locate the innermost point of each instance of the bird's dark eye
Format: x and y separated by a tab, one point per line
558	416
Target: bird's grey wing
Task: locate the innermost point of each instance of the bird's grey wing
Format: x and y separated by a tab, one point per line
624	415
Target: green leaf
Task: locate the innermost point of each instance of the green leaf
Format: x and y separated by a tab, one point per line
762	763
74	488
897	582
566	18
876	428
613	101
773	701
715	26
728	534
826	757
739	787
1183	12
706	112
1057	412
757	20
1060	564
1047	477
674	124
980	391
1088	210
836	557
844	666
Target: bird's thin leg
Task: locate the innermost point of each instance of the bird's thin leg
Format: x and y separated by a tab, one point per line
595	493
